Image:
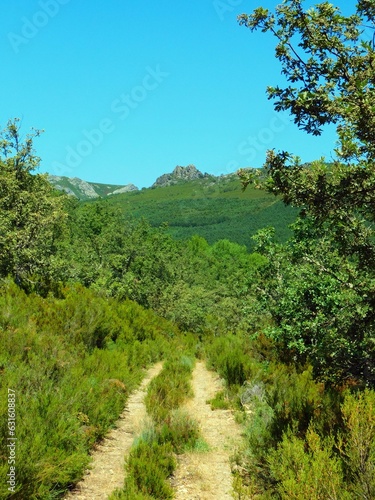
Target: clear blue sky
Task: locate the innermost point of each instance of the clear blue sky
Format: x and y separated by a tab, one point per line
126	90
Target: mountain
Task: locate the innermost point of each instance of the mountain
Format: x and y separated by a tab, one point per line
85	190
209	206
179	174
189	202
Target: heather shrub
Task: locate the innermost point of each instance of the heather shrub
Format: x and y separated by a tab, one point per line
356	443
307	469
72	364
170	388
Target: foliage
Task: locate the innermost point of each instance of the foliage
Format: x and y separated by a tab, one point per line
302	439
148	464
318	314
168	390
316	473
213	208
330	468
356	443
290	326
220	401
72	363
201	288
325	277
151	460
230	357
31	215
197	286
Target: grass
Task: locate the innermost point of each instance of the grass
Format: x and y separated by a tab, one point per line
220	401
68	391
169	389
200	446
152	458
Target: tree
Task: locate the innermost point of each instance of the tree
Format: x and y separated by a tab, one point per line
32	214
331	80
326	310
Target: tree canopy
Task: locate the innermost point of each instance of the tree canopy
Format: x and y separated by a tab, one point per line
325	306
31	213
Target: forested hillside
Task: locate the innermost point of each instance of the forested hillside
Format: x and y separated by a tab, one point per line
214	208
93	293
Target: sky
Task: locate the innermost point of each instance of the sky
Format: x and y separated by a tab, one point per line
125	90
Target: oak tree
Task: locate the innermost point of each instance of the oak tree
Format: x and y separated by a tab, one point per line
325	310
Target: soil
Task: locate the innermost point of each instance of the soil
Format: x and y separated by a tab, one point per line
207	475
107	469
200	475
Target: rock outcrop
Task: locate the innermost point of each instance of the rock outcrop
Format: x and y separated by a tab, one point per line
179	174
125	189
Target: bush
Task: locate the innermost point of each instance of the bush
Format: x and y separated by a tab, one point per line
294	397
170	388
148	465
314	473
180	430
69	392
357	443
228	356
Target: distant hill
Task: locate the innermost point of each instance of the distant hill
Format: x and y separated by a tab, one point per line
85	190
212	207
190	202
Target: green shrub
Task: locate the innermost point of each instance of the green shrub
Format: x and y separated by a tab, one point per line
294	397
69	392
148	465
228	356
170	388
180	430
357	443
220	401
259	440
307	470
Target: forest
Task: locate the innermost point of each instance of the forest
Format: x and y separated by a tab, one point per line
91	295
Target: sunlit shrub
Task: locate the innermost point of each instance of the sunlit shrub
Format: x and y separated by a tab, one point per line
69	391
357	443
307	469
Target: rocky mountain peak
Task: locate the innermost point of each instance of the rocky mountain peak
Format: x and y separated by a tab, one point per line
187	173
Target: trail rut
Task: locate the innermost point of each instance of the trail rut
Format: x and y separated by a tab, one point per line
107	472
207	475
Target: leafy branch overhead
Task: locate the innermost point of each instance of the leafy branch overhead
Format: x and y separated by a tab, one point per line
328	62
327	59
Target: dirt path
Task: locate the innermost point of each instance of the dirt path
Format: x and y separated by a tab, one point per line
207	475
107	471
